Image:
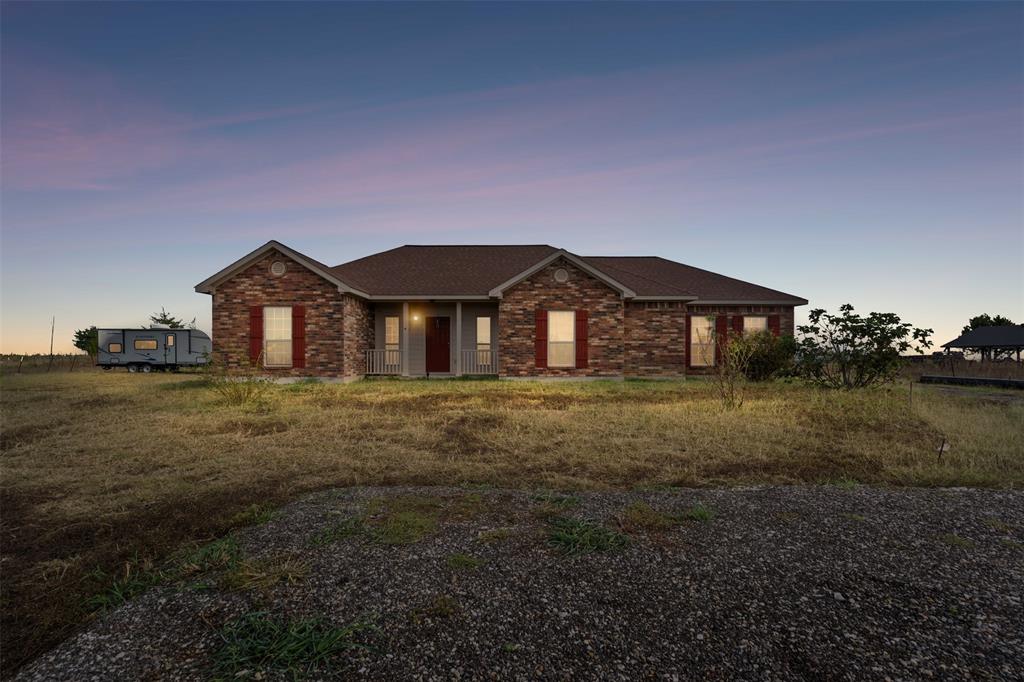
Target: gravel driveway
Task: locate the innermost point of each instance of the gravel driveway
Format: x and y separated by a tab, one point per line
759	583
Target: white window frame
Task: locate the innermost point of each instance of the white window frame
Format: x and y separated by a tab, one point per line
392	355
571	364
701	348
483	332
747	329
271	335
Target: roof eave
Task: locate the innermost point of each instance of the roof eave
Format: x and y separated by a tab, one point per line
626	292
736	301
208	285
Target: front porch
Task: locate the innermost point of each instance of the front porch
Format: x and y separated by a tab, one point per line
433	338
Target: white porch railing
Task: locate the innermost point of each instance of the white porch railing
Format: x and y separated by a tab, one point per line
383	361
479	362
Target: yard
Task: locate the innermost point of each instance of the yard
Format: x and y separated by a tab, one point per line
107	471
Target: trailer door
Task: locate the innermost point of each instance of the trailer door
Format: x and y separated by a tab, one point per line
170	349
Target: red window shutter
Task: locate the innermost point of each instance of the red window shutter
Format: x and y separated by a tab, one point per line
737	324
721	335
773	325
582	350
298	336
689	341
255	333
541	340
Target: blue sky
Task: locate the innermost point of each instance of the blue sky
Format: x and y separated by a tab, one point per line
862	153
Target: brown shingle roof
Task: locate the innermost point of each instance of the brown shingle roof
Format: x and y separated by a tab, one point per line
474	270
440	270
657	276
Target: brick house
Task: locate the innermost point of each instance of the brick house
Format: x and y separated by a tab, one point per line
510	311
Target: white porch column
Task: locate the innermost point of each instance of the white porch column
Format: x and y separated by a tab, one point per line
458	338
405	339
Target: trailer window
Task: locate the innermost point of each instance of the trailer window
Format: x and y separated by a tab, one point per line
145	344
170	340
114	348
277	337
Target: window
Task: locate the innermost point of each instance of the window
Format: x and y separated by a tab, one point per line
483	333
170	340
277	337
702	341
114	348
755	324
391	340
561	338
145	344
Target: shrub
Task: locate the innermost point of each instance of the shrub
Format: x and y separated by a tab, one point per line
768	356
240	387
731	368
851	351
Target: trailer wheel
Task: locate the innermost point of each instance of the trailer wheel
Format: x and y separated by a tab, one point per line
133	369
147	369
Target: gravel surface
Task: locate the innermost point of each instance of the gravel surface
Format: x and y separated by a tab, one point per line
782	582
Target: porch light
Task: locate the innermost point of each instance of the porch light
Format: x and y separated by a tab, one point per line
415	318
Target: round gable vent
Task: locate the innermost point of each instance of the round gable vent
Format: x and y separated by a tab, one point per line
277	268
561	275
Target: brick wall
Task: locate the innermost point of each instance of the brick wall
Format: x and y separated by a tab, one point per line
655	339
358	332
517	323
255	285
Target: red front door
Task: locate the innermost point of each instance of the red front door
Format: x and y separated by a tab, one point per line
439	337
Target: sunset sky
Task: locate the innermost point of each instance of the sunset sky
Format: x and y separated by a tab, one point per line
862	153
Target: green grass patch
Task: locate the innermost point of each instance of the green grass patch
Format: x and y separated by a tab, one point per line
699	512
640	517
403	528
223	554
137	576
262	574
495	534
573	537
260	642
345	528
954	540
441	608
998	525
254	515
464	562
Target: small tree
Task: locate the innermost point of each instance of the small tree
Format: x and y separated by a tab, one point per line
88	340
851	351
165	319
731	368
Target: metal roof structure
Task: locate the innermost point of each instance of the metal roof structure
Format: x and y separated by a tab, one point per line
1003	337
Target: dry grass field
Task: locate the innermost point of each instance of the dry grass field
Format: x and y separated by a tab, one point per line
104	473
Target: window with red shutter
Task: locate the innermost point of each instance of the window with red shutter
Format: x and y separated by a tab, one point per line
540	346
255	333
773	325
298	336
721	335
737	324
582	346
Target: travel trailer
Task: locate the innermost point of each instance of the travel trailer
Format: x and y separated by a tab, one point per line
161	348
